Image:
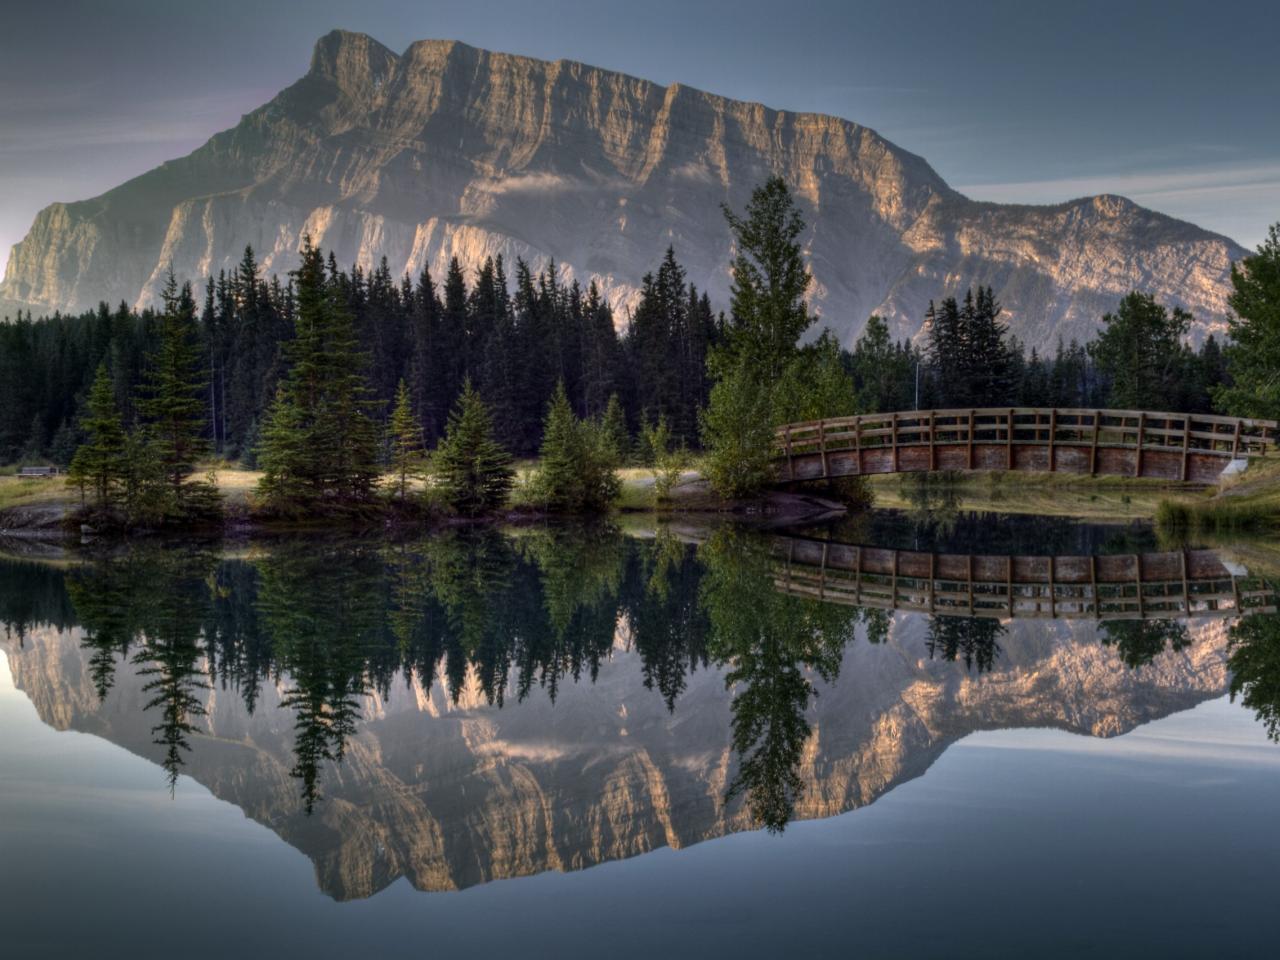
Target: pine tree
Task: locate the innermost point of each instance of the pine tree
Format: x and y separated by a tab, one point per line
614	425
171	395
1140	351
578	468
769	281
472	470
319	440
404	436
769	315
99	461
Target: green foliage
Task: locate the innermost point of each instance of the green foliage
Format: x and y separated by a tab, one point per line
769	641
759	373
769	281
1140	350
1253	355
404	438
170	399
614	425
663	457
319	442
815	384
883	372
99	463
738	434
1255	668
970	359
472	470
578	472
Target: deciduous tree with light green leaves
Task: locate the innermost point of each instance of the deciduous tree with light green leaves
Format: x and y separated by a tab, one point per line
1253	355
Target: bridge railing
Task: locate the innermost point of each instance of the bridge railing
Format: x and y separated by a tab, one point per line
1228	437
1167	585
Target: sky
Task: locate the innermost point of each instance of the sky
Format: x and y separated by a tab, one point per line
1173	104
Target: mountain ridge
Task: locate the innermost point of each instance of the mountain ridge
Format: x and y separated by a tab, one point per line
451	150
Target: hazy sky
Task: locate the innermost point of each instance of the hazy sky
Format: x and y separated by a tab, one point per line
1175	104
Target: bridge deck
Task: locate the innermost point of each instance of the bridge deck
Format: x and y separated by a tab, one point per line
1192	448
1167	585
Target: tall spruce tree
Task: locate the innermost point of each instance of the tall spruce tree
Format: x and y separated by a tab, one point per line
1141	353
404	438
769	315
319	440
99	462
171	400
578	468
472	470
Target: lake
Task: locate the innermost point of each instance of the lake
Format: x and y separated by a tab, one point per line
925	734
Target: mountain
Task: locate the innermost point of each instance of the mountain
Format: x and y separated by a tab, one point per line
451	795
447	150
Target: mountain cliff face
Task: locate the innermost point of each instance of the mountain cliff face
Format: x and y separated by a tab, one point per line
450	795
446	150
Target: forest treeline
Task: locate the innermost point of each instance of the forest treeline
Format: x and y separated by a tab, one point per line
513	338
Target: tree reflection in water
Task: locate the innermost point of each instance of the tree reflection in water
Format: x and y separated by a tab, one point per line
493	616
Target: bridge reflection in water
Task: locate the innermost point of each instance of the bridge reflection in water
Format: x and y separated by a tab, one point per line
1179	447
1181	584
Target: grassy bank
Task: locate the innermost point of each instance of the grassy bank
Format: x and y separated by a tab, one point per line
1047	494
1248	502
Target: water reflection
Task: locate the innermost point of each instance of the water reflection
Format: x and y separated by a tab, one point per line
465	707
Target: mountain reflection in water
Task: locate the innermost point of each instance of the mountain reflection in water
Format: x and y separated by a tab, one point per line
476	705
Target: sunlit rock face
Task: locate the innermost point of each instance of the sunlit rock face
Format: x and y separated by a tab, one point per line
446	150
450	795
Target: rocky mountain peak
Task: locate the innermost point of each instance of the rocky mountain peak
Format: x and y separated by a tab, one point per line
447	150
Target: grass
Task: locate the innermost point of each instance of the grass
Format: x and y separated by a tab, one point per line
44	491
1247	502
1048	494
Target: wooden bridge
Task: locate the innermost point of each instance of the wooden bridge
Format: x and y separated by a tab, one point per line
1168	585
1192	448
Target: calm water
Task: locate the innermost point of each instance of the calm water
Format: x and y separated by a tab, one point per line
575	742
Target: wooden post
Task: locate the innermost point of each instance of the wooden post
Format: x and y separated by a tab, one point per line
1053	430
1186	446
1142	429
933	457
822	445
1093	452
971	428
895	442
1008	450
822	576
791	468
1235	443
